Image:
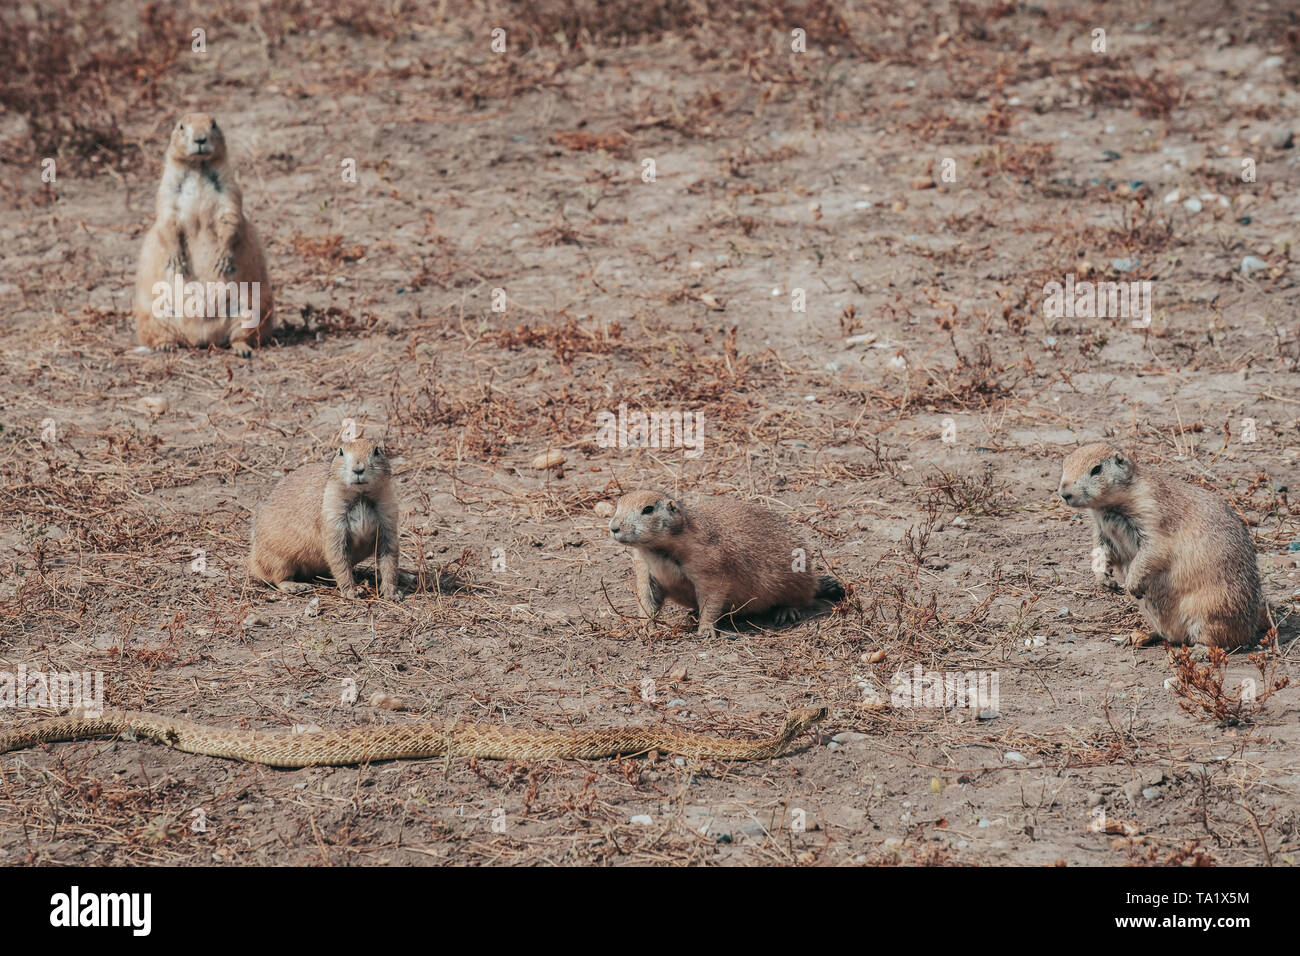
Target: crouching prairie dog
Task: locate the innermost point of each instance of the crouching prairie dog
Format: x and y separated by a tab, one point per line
716	557
1180	550
324	518
201	246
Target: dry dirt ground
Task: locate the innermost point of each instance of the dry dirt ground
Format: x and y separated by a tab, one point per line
774	171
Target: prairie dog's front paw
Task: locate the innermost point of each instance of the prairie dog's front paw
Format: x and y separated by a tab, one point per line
226	265
1107	582
176	264
1136	586
786	616
391	593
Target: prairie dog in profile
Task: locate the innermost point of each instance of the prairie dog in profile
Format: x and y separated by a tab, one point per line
1179	549
324	518
201	235
716	557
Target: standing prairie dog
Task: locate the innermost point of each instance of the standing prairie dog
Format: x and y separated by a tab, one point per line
200	234
1179	549
324	518
718	557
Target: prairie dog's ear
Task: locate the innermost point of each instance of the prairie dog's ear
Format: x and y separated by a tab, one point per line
338	453
1119	458
670	506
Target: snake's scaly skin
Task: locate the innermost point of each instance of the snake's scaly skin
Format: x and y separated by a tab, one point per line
361	745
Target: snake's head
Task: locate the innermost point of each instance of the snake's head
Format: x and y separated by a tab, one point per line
801	720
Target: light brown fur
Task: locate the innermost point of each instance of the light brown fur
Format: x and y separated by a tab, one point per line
717	557
200	232
1178	549
324	518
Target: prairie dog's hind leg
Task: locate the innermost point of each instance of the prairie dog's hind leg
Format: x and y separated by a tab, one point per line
710	610
294	587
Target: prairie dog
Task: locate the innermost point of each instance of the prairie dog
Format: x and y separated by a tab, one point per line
324	518
201	235
716	557
1180	550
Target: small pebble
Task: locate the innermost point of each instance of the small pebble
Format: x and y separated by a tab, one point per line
548	459
641	820
152	405
1192	205
866	338
313	608
1251	264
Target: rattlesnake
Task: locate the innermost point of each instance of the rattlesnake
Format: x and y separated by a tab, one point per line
360	745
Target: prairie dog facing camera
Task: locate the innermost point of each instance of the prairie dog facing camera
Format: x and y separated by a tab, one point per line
324	518
1179	549
201	245
716	557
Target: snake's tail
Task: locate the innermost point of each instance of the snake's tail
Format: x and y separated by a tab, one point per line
57	730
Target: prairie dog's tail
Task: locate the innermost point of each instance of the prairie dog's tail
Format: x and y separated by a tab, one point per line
829	589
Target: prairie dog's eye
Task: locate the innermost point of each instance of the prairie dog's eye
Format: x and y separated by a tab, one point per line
378	452
1096	470
648	510
340	452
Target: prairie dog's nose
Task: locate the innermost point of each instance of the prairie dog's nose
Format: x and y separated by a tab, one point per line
613	529
200	138
1065	496
359	469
